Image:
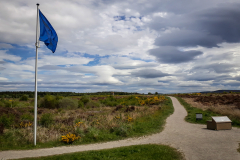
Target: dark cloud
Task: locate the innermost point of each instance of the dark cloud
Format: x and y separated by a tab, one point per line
15	83
149	73
164	81
187	38
67	87
2	62
206	27
146	84
50	67
173	55
190	85
221	21
122	66
199	76
103	84
219	57
2	68
217	67
54	84
229	83
173	6
237	78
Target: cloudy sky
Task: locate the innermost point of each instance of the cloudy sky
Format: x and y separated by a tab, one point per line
164	46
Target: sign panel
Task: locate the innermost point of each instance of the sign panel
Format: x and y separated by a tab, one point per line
221	119
199	115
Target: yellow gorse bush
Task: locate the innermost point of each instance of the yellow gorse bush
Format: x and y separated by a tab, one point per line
97	122
70	138
151	100
129	119
193	94
78	124
24	125
117	117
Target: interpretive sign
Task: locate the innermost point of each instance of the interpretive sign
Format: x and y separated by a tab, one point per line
198	116
219	123
221	119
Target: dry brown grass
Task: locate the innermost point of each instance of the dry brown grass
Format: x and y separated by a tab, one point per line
228	110
64	121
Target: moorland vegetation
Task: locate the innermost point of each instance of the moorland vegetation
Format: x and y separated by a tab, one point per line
80	119
224	104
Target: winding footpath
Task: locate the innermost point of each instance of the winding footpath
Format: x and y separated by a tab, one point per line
193	140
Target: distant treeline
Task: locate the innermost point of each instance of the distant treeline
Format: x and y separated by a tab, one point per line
222	91
18	94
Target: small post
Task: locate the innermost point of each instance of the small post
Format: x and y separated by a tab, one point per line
35	100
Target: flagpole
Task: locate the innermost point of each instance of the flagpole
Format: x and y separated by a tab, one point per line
35	102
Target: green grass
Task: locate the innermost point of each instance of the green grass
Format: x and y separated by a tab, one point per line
191	117
138	152
148	124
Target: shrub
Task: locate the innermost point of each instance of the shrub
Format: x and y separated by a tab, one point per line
2	104
46	119
8	104
80	104
79	132
27	117
2	100
93	133
131	98
111	98
70	138
15	103
11	104
93	104
7	120
59	97
24	98
25	124
21	105
110	103
68	103
122	130
85	99
31	110
49	101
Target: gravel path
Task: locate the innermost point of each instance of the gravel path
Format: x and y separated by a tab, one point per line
194	140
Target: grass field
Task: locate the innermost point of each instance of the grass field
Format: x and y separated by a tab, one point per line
83	120
138	152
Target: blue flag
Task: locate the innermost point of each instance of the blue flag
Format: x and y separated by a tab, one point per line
47	33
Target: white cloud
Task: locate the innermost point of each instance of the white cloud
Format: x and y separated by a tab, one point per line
94	27
3	79
160	14
5	56
5	46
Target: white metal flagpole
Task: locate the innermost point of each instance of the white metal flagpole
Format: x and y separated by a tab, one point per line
35	102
